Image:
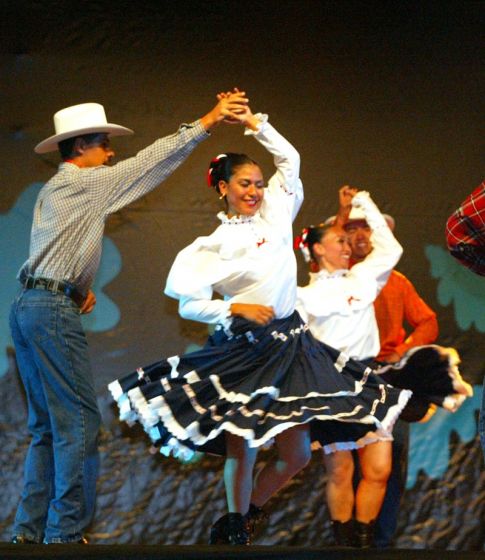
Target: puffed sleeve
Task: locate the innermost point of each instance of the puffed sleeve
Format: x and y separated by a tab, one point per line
195	270
284	194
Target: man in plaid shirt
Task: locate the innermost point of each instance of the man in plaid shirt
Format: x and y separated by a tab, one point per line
465	231
465	236
58	498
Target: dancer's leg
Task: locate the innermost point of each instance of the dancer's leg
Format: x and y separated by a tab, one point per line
375	463
238	473
294	453
339	490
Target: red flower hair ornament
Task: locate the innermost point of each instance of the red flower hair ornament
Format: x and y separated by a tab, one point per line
301	243
212	164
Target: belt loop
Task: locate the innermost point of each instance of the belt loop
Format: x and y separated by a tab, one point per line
54	286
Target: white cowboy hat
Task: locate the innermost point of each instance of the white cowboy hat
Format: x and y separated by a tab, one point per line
77	120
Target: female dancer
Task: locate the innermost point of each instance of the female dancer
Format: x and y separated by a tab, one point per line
261	375
338	307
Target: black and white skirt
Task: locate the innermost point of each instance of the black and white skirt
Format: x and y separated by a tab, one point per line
431	373
257	383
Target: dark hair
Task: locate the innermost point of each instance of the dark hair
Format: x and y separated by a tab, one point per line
308	238
223	167
66	147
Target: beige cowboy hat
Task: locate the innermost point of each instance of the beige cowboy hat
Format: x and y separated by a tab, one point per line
77	120
357	215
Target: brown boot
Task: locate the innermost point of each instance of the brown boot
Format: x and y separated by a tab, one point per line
21	539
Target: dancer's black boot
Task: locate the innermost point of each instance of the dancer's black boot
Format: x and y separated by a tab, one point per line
365	534
343	533
232	528
238	529
254	517
218	534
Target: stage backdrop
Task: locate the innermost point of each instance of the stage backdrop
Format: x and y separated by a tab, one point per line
382	96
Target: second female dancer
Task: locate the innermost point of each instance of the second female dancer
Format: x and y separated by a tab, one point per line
261	376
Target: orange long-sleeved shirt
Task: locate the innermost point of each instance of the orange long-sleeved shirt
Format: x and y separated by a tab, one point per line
399	302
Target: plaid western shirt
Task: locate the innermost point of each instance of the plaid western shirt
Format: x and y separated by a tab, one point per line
465	231
72	207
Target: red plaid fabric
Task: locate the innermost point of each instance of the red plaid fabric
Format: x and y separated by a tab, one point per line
465	231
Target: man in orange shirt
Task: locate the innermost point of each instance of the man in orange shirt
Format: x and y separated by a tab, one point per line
397	304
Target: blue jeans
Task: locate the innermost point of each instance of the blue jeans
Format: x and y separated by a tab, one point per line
58	497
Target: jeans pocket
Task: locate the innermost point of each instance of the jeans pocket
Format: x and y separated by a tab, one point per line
37	317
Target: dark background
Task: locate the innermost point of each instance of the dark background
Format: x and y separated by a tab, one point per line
385	96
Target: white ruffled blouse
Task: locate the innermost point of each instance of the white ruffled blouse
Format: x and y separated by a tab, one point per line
247	259
338	306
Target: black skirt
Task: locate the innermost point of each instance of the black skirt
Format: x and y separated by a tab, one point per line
257	382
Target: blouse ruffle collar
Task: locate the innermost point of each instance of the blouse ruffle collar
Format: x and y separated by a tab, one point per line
236	220
322	274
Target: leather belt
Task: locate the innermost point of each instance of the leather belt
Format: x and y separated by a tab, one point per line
54	286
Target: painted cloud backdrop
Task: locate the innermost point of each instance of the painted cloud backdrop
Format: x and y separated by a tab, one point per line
458	286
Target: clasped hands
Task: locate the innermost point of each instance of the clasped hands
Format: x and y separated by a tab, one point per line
232	108
240	113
